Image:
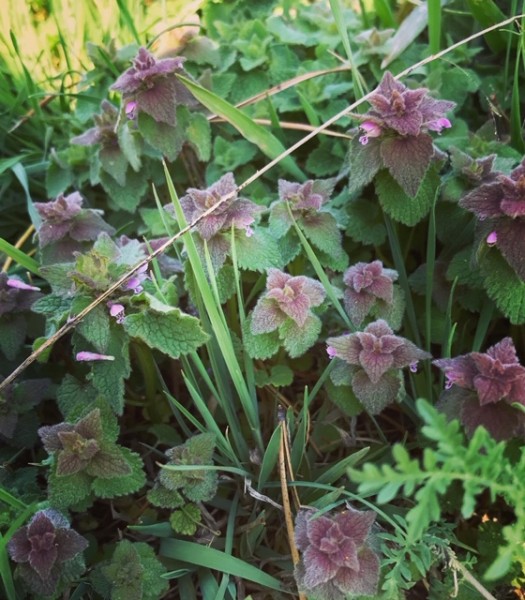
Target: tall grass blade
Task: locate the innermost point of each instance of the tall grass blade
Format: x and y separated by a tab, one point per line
263	139
434	26
20	257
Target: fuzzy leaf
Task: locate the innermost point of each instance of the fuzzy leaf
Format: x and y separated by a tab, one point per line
258	252
64	492
280	375
172	332
125	197
122	486
164	498
376	396
343	397
260	346
297	340
130	145
186	520
107	377
504	287
114	162
74	397
94	327
125	573
108	463
155	585
199	135
399	205
365	223
408	159
168	140
321	229
365	162
12	335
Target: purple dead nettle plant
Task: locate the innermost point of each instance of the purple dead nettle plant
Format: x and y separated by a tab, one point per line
481	388
42	548
395	132
65	225
82	447
151	86
214	228
499	206
286	298
370	289
371	362
337	561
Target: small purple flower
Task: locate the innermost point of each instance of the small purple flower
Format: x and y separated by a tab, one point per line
131	110
153	87
492	238
337	561
481	387
87	356
368	285
501	203
20	285
117	311
413	367
235	211
134	283
371	362
41	548
371	130
332	352
286	297
439	124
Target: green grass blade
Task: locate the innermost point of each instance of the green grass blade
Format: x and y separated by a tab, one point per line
19	257
8	498
128	20
262	138
270	457
5	572
487	13
211	558
516	135
384	13
434	27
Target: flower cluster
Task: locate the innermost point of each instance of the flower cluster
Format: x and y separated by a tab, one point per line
481	388
395	132
369	285
42	547
499	205
370	363
337	561
151	86
286	297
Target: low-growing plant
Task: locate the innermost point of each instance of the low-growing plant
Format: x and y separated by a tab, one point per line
217	337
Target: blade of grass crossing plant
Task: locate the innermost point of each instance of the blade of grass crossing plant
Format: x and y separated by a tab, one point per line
8	498
321	274
207	584
21	175
271	454
429	284
516	124
399	263
450	328
434	27
336	471
300	438
384	13
216	317
483	324
228	544
211	558
487	13
19	257
5	573
337	12
309	110
266	141
128	20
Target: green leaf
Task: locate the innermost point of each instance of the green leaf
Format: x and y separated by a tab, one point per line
504	286
73	397
297	340
266	141
122	486
344	398
280	375
186	520
107	377
12	335
64	492
322	231
365	162
258	252
232	154
125	197
365	222
402	207
260	346
162	497
166	139
199	135
129	142
94	327
169	330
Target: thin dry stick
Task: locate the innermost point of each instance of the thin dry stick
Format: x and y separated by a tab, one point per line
76	319
288	519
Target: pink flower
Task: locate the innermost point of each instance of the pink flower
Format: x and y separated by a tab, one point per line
371	130
492	238
134	283
439	124
117	311
20	285
332	352
131	109
87	356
